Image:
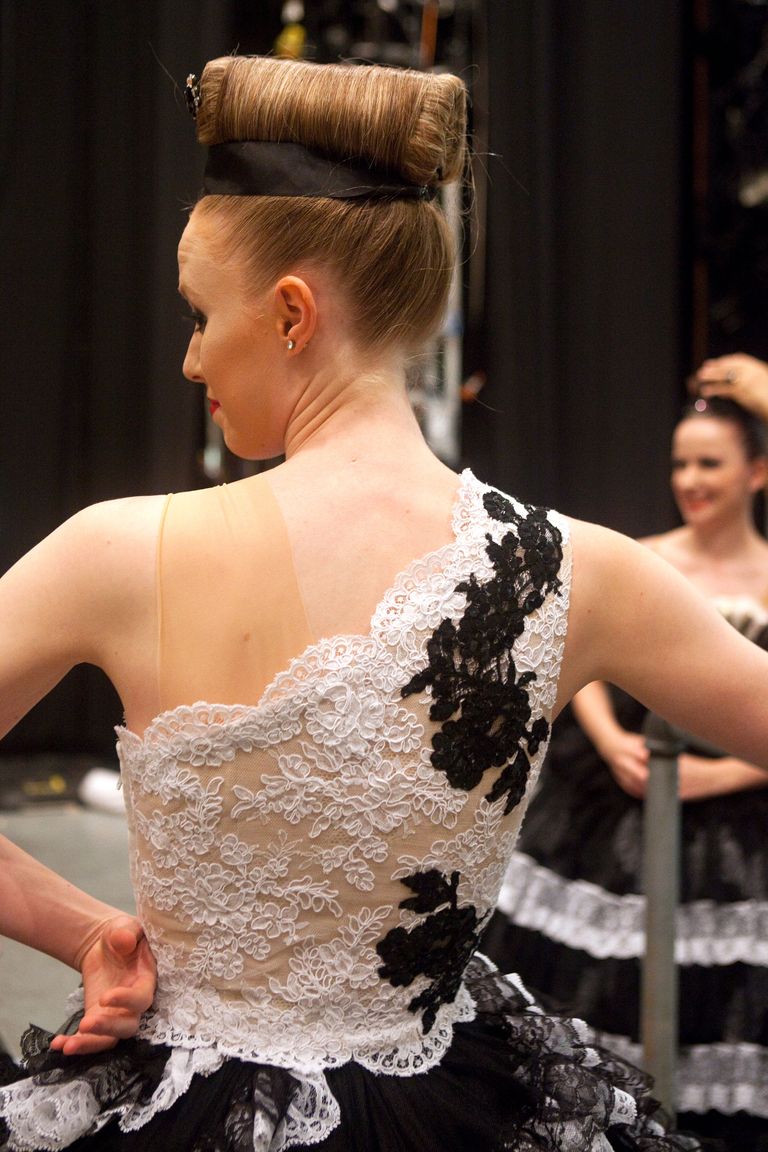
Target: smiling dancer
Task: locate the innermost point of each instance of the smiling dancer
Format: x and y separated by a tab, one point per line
572	917
338	679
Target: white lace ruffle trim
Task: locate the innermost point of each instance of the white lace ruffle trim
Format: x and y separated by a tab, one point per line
41	1115
583	915
725	1078
51	1116
405	1051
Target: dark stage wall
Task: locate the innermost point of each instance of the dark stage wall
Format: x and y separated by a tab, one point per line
579	327
98	162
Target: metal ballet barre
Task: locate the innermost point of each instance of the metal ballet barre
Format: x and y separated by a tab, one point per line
661	882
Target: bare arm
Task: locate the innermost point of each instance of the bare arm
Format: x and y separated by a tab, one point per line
85	594
80	596
626	754
635	622
42	910
701	777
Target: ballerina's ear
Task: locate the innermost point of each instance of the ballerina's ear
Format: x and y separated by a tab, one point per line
296	311
759	477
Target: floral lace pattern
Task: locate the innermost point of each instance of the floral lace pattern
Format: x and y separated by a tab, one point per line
584	916
439	947
483	706
486	721
270	843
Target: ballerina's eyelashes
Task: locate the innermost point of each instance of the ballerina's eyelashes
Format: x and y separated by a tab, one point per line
195	318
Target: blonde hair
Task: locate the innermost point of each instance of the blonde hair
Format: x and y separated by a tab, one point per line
393	259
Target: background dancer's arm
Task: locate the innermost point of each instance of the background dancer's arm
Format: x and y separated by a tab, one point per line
623	751
635	622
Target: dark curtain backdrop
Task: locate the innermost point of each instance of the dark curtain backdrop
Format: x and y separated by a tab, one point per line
98	163
578	329
582	330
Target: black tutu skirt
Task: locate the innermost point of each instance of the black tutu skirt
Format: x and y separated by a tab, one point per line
573	925
515	1077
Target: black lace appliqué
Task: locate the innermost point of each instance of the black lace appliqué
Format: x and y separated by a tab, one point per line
484	712
477	695
440	947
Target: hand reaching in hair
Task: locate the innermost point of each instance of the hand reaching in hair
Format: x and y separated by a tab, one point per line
737	377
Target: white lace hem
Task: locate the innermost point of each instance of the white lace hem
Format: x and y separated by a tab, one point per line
583	915
51	1117
725	1078
400	1049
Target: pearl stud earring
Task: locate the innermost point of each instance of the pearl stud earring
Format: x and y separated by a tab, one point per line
291	345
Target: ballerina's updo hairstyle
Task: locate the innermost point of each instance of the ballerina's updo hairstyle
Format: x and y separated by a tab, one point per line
392	258
752	430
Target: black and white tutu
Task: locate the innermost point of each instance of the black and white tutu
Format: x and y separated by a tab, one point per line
571	918
515	1077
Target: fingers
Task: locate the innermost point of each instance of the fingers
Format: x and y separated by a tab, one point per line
82	1044
641	754
135	998
98	1032
117	1025
119	977
635	785
729	372
631	775
136	988
717	377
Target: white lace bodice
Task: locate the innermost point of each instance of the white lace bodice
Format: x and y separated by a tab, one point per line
313	871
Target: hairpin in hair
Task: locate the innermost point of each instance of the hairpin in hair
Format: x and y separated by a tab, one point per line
192	94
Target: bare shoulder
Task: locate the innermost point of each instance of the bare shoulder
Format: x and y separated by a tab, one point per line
594	544
601	554
605	567
84	594
113	524
97	563
113	547
672	546
660	542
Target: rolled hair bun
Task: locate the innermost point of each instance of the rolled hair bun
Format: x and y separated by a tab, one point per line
753	431
392	259
406	122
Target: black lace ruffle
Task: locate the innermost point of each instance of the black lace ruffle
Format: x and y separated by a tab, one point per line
515	1078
